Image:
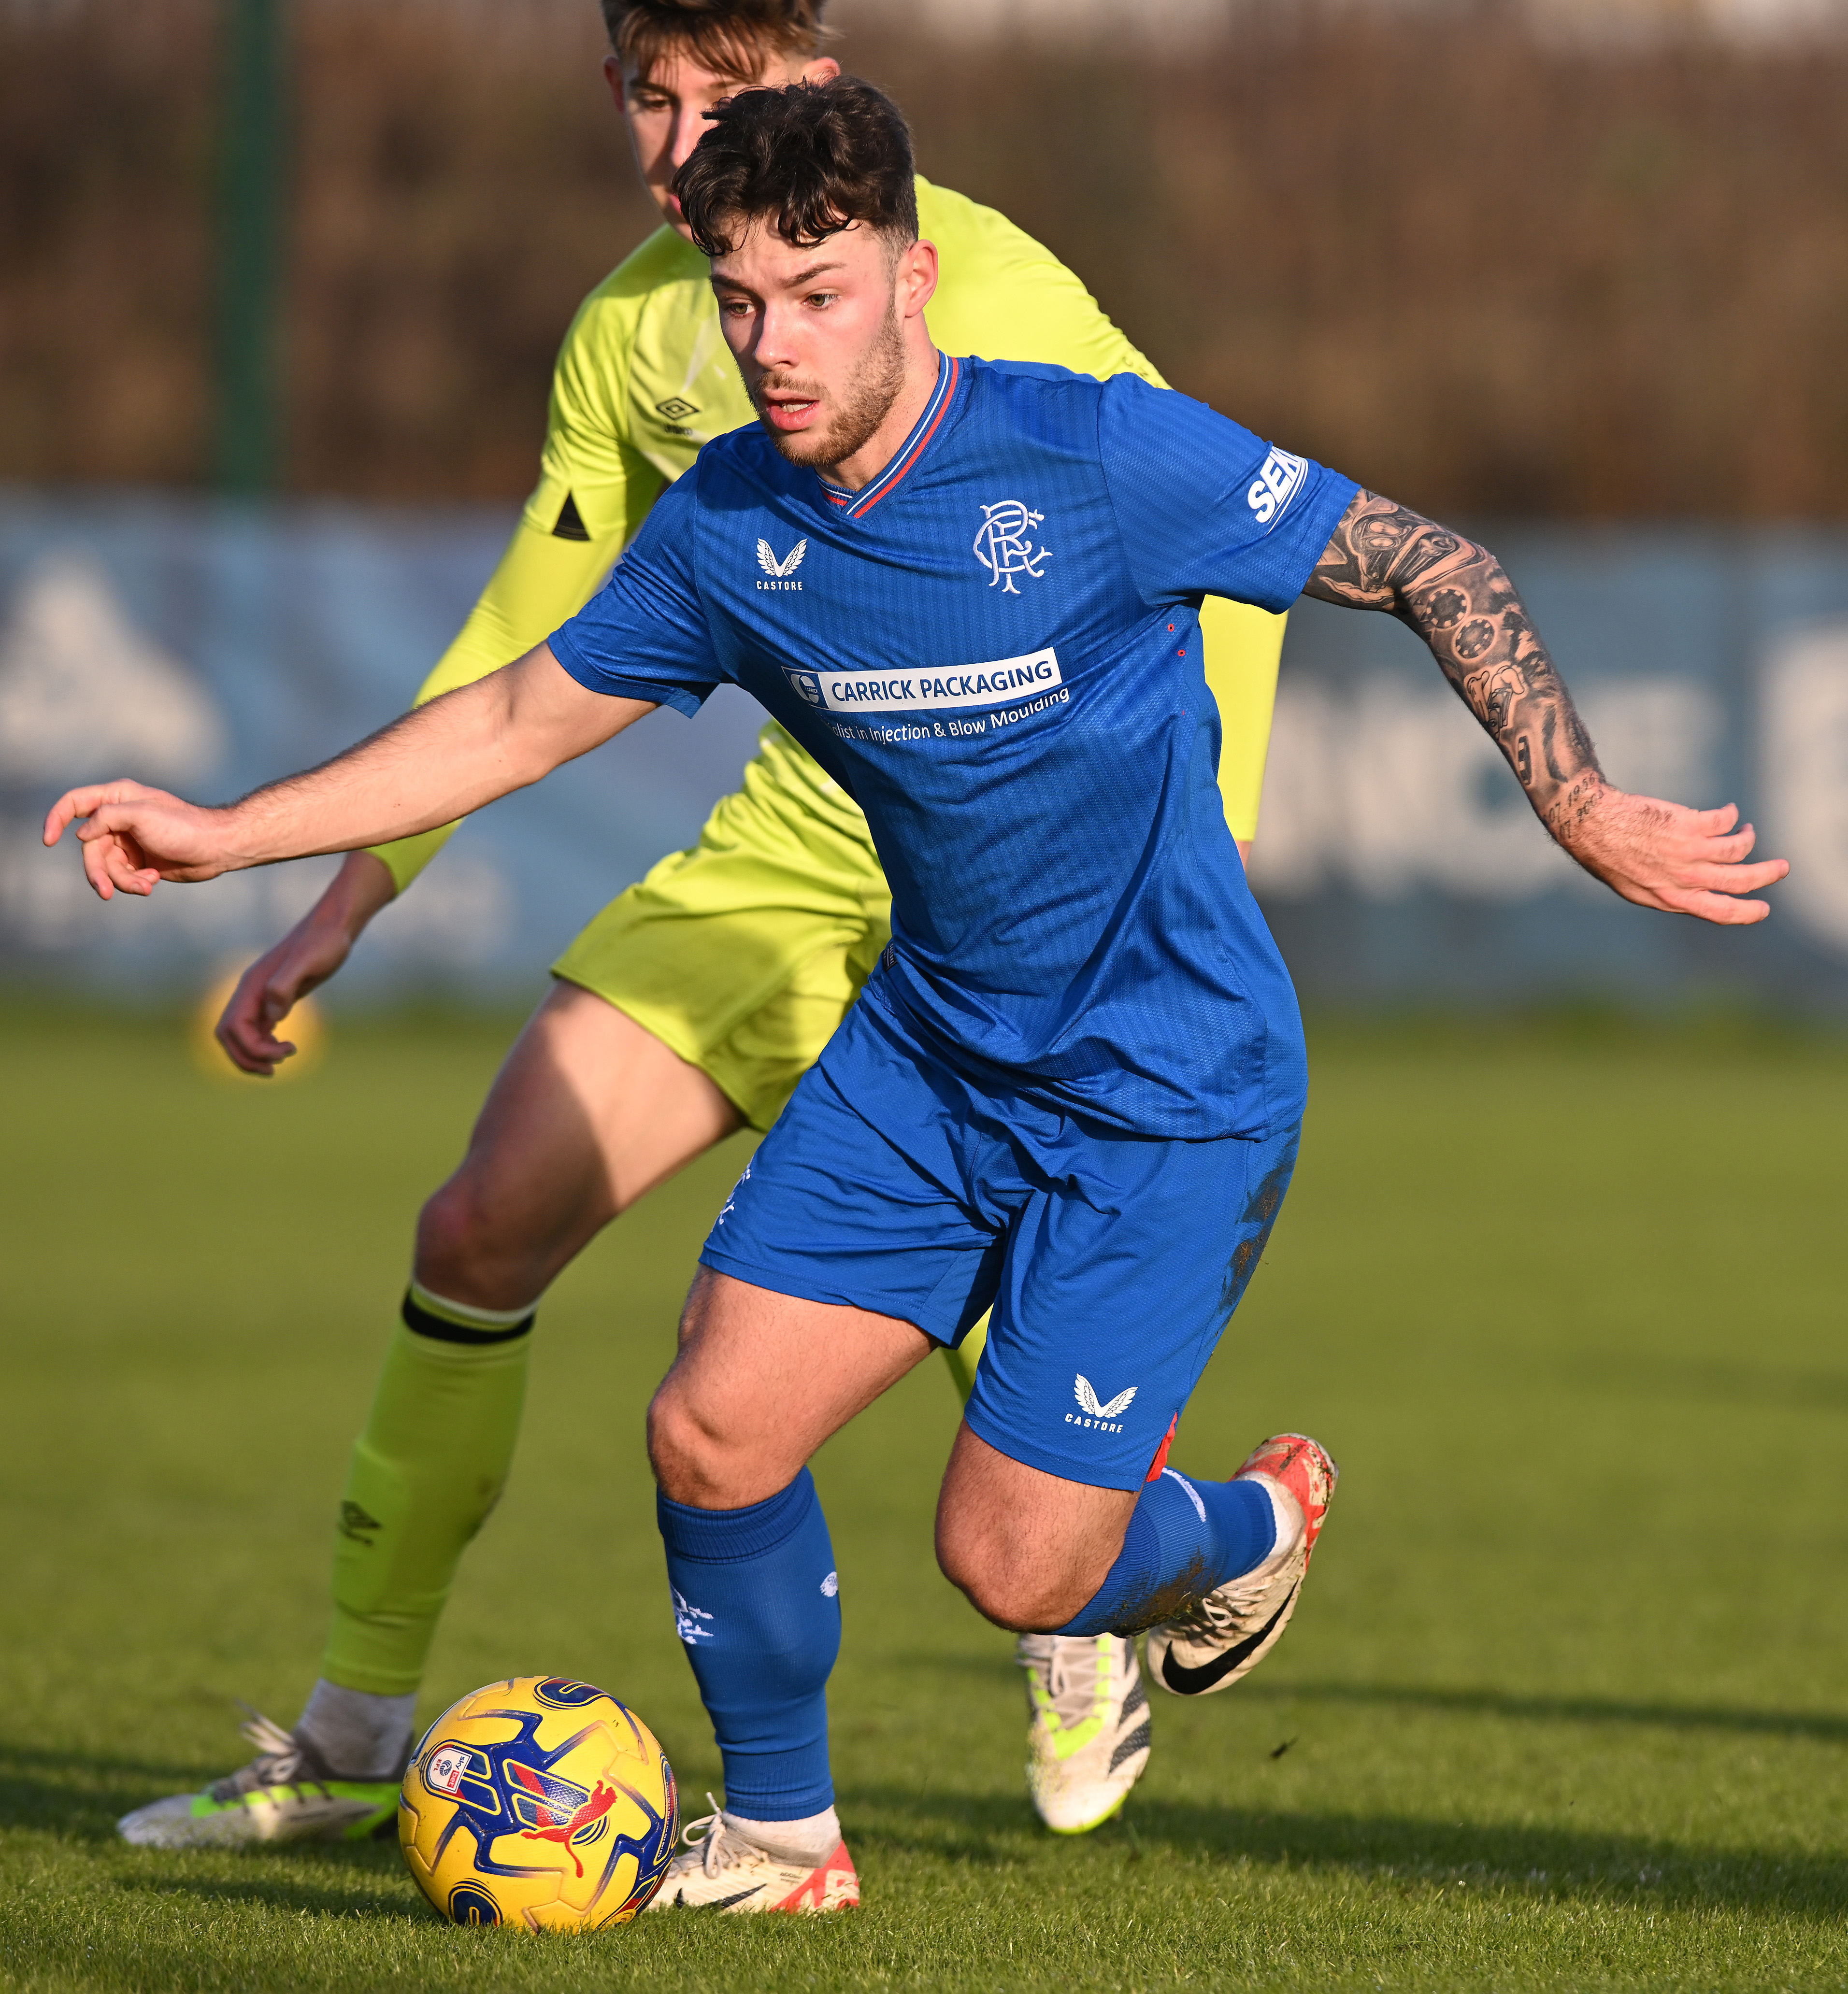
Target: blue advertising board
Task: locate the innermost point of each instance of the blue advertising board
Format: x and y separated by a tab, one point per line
208	648
1397	861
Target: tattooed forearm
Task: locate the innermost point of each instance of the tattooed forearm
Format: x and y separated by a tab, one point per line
1458	597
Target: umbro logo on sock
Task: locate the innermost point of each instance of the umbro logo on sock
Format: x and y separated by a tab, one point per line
355	1523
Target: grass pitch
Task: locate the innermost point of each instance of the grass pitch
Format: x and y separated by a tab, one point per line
1567	1706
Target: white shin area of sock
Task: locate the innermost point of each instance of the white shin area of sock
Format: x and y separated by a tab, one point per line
361	1736
811	1839
481	1318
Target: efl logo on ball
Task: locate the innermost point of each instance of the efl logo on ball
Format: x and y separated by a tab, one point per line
539	1802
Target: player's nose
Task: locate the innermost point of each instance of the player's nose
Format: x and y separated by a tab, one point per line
774	348
689	129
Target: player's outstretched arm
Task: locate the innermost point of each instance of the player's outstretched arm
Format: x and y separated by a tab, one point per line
442	761
1457	596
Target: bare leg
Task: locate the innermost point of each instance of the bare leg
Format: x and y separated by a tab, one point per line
763	1378
1030	1549
589	1112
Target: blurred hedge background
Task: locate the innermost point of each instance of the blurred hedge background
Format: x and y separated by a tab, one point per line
1487	269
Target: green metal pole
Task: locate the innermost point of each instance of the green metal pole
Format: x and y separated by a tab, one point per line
252	173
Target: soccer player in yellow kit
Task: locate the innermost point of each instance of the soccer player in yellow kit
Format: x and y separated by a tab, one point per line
688	1008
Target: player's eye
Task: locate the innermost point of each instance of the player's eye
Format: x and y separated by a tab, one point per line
821	299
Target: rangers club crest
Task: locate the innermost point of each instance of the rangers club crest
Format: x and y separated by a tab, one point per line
1004	544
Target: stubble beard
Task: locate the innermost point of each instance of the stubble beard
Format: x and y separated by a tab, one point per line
865	403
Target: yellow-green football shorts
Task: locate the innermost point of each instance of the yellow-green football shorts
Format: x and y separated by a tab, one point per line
743	953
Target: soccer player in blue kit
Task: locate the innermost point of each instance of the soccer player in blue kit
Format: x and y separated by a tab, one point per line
1072	1090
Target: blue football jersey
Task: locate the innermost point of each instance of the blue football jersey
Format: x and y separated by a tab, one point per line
994	649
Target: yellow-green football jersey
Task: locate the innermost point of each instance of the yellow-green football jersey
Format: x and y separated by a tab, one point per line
644	378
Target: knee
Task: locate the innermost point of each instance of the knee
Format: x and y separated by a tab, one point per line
702	1456
448	1227
681	1450
462	1254
1005	1581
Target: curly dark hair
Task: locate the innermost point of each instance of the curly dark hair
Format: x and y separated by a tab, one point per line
812	159
729	37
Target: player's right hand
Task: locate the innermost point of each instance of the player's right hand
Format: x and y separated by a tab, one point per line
304	960
271	988
306	956
133	837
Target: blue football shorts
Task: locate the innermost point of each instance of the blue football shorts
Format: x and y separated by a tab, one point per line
893	1182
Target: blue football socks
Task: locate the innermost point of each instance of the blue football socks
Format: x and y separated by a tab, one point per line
756	1601
1184	1538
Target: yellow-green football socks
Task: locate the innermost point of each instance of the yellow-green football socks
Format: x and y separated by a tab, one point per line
425	1473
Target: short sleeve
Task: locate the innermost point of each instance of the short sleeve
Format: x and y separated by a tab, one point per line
644	634
1205	508
594	485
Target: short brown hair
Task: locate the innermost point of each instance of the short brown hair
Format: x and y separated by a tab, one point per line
730	37
813	159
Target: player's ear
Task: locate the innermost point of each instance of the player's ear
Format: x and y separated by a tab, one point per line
612	75
917	277
824	69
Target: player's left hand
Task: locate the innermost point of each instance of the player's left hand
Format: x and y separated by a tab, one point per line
133	837
1662	855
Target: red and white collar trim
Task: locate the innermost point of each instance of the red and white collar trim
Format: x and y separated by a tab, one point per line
853	503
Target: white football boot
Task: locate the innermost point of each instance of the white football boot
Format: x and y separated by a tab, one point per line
1223	1637
288	1793
1088	1726
722	1870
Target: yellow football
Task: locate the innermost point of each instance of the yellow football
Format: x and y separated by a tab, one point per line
540	1802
